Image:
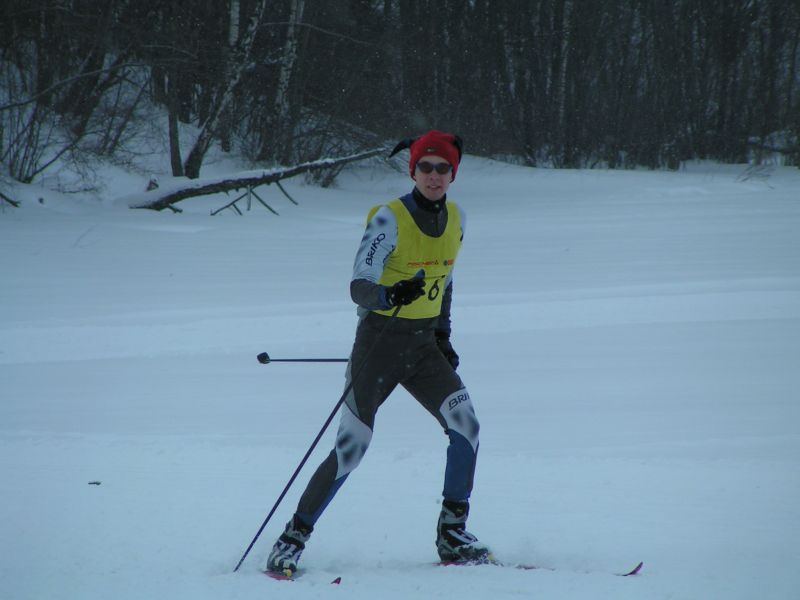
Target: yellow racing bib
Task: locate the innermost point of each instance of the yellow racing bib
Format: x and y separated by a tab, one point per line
415	251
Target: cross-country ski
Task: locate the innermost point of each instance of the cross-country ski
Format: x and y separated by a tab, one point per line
526	566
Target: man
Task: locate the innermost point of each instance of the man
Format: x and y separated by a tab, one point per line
405	260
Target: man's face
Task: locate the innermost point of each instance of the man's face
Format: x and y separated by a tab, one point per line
432	185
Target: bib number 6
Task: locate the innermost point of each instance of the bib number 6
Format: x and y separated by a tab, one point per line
435	290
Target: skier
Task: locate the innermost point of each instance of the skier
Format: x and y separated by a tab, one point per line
421	230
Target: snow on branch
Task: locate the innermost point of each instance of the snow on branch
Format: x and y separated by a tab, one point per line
165	196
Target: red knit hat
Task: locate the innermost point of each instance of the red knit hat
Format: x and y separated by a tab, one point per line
435	143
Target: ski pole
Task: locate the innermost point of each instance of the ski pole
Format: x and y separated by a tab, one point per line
319	436
265	359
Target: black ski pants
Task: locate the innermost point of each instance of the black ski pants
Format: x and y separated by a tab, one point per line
407	355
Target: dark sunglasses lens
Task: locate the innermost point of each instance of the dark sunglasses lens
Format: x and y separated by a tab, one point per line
441	168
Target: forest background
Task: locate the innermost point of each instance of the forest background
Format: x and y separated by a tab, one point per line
556	83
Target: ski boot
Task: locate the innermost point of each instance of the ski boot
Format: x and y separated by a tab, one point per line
287	550
454	543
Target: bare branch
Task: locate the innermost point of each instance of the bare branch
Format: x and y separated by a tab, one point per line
321	30
67	81
13	203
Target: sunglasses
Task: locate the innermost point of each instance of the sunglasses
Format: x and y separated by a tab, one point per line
441	168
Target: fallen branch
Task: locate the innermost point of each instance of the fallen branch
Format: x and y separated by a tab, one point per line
5	198
161	198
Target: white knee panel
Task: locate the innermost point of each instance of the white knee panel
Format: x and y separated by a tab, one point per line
459	414
352	442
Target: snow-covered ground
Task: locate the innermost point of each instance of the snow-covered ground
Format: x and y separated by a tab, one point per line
631	340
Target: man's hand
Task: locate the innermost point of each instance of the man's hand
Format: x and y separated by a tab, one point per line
405	292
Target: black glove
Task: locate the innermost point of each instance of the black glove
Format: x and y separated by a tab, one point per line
446	348
405	292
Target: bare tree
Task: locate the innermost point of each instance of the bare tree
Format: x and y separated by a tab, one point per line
281	134
239	63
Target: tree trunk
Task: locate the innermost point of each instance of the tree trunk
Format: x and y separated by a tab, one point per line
282	126
226	124
174	142
239	63
564	151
